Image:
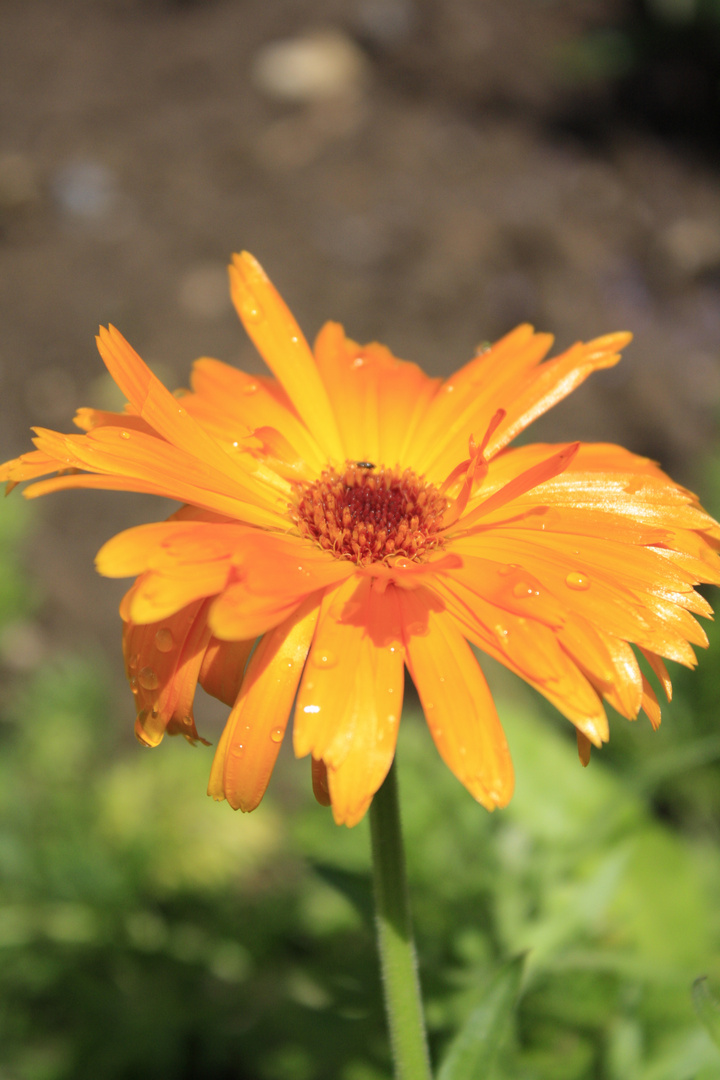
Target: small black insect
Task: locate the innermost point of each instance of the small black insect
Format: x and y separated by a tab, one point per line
364	464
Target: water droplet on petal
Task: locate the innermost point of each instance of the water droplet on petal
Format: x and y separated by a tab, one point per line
237	750
252	313
324	658
523	590
277	734
578	582
187	721
148	679
308	685
133	661
124	434
164	640
505	570
250	388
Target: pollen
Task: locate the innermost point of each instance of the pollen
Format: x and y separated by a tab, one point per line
370	513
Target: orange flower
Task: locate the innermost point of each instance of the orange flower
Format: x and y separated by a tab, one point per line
352	515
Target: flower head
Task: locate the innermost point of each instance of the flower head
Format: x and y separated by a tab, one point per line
349	516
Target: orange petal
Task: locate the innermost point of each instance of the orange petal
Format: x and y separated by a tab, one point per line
458	705
156	405
144	463
223	668
251	741
231	404
467	400
554	380
519	485
532	651
320	787
349	704
584	748
379	398
281	344
276	573
162	661
660	671
650	704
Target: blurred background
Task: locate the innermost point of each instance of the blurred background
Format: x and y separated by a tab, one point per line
429	173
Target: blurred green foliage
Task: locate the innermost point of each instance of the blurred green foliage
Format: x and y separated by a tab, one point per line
146	931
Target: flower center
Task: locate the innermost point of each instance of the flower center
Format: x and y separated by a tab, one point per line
367	513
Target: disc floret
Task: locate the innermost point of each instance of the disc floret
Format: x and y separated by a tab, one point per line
369	515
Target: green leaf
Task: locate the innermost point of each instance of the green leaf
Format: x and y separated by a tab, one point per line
474	1048
707	1007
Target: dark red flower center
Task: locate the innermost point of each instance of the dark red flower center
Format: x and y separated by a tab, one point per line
368	513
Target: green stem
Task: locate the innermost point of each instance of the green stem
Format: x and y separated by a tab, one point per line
395	941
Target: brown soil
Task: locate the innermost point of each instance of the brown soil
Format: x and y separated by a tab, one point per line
433	200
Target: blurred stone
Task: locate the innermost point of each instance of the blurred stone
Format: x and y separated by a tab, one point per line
204	291
693	245
85	189
317	67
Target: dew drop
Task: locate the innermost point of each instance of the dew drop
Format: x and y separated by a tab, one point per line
429	705
523	590
124	434
148	679
237	750
133	661
164	640
578	582
324	658
133	683
504	571
295	339
251	313
277	734
142	717
308	685
187	721
250	388
392	718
